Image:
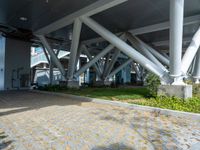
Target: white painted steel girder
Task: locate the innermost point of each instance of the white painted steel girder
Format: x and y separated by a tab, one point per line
94	60
112	62
124	47
52	54
196	73
90	58
120	68
159	56
90	10
191	52
74	48
139	46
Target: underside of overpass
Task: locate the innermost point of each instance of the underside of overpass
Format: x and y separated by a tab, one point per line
162	37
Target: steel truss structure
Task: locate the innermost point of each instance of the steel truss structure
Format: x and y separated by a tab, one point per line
170	68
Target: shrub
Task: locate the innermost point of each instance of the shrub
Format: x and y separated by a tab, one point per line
152	83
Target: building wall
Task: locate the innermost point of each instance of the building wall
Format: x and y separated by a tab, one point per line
2	62
17	64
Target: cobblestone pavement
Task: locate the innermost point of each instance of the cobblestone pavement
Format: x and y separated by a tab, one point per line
32	121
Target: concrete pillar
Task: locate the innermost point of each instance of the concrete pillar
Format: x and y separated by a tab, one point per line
196	73
178	87
176	36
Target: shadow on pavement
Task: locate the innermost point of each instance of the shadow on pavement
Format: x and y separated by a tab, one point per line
19	101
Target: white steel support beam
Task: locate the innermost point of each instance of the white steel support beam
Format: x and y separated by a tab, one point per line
196	73
191	52
124	47
152	28
106	64
90	58
45	53
74	48
165	55
193	66
176	36
99	65
120	68
186	40
51	72
94	60
141	47
164	25
159	56
52	54
139	71
78	56
90	10
112	62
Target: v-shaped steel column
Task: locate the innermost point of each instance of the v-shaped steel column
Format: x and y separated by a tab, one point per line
124	47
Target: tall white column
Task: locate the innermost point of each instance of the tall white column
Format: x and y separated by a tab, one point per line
176	36
74	48
196	73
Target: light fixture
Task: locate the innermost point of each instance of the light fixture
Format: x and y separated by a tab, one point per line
23	18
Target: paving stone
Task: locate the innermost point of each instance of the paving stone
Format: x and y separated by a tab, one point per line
33	121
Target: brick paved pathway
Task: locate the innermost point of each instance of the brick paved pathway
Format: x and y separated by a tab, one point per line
32	121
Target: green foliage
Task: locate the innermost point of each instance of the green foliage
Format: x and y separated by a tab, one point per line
196	90
189	105
111	93
153	83
136	96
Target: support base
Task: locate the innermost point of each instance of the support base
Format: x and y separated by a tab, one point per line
197	81
99	83
180	91
73	84
107	83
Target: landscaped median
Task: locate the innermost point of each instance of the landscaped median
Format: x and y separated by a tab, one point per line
136	95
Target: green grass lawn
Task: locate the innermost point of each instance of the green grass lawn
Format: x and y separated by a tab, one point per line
111	93
137	96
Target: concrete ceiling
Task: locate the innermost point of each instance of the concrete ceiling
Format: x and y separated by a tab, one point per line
129	15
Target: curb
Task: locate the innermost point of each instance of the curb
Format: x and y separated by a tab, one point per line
159	111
